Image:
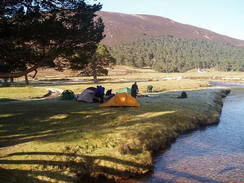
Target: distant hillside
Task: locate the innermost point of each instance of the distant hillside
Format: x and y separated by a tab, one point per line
124	28
172	54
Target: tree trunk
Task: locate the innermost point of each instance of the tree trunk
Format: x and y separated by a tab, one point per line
26	79
11	80
95	78
94	68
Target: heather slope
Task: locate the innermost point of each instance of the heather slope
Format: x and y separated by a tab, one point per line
124	28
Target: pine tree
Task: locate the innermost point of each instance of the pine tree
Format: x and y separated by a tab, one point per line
53	33
99	63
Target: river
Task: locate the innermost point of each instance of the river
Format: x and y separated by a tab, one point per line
213	154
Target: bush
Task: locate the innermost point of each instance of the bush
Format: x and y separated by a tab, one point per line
68	95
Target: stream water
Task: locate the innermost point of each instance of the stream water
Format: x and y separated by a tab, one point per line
214	154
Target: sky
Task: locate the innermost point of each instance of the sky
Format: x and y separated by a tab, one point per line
221	16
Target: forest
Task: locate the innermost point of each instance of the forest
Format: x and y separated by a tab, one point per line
171	54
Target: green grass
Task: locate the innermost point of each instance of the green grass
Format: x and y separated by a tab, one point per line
54	140
157	85
20	93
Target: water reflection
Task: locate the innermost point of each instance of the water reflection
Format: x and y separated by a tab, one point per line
212	155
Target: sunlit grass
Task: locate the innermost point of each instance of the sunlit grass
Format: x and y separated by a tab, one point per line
125	73
158	86
55	140
21	92
41	140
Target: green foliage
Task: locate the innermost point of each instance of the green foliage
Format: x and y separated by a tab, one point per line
54	33
68	95
171	54
101	60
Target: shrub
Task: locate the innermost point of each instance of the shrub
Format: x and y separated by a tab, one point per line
68	95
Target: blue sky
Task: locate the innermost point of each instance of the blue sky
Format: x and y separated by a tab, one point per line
221	16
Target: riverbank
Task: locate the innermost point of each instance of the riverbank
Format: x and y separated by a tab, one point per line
64	141
211	154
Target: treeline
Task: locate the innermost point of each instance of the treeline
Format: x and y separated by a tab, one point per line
171	54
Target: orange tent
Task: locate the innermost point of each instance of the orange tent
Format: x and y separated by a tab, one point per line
121	99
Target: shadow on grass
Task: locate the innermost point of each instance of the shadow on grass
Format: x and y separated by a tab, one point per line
3	100
13	175
58	120
86	158
66	121
37	120
28	176
17	176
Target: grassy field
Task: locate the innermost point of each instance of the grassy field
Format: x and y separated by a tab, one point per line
38	90
65	141
21	93
126	73
61	141
119	77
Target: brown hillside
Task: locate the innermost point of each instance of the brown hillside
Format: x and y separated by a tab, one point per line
122	28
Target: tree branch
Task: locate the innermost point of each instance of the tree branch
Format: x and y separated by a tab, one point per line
19	74
35	73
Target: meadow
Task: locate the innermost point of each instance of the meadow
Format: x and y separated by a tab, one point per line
67	141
